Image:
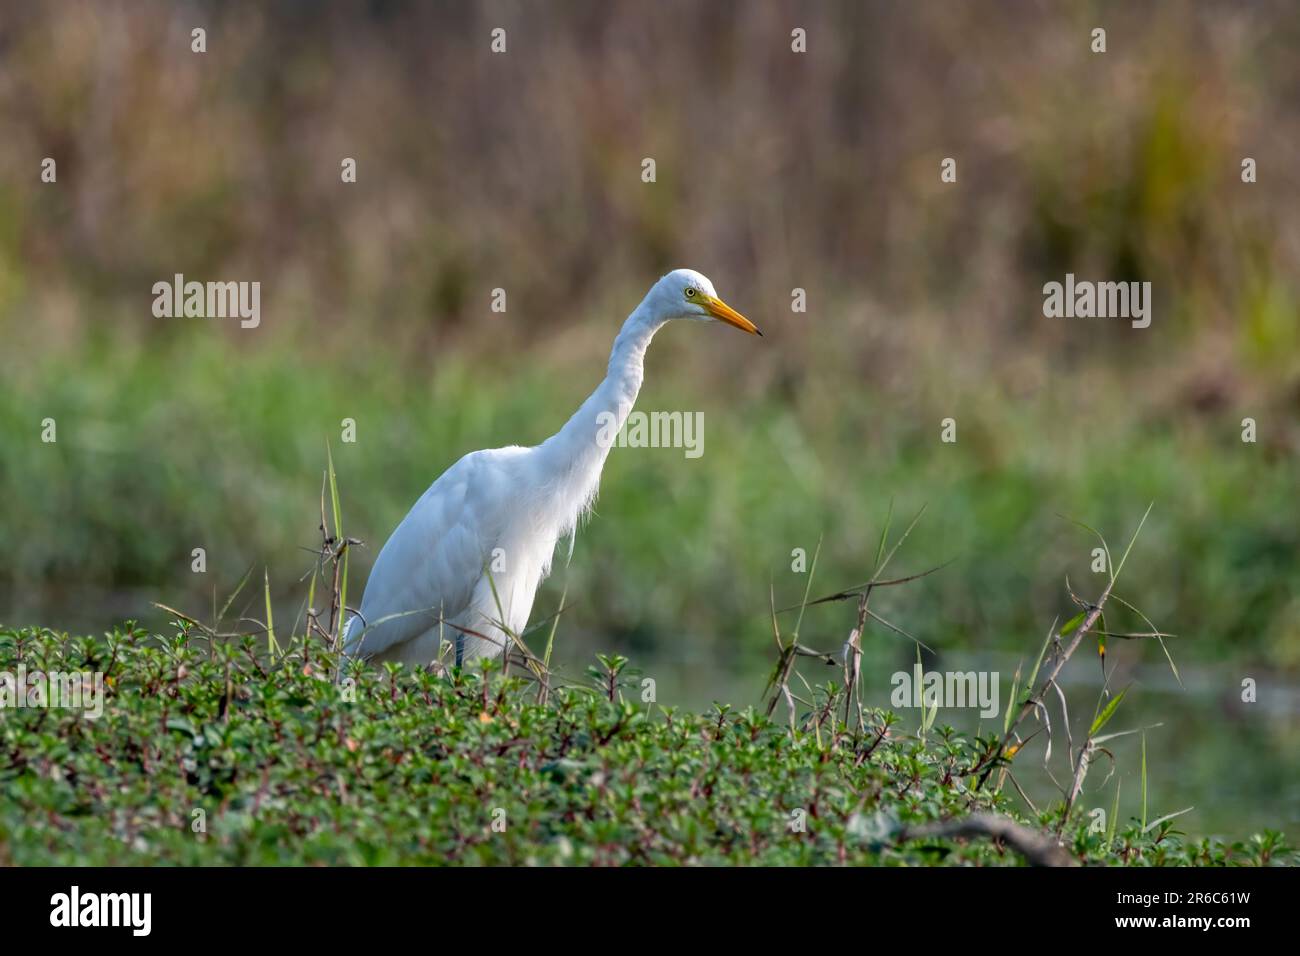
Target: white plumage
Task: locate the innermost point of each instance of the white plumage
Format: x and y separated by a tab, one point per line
495	516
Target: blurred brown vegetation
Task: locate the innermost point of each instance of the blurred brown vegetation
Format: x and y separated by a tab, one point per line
774	170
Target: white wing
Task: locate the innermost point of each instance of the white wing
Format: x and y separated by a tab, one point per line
431	564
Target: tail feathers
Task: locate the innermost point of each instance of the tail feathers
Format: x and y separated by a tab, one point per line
352	636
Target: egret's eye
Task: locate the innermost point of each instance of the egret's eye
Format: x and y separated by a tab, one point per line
690	293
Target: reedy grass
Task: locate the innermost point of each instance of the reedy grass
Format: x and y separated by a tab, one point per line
354	773
211	751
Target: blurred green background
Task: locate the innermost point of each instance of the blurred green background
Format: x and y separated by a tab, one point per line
775	170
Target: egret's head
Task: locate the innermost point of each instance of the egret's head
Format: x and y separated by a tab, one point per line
686	294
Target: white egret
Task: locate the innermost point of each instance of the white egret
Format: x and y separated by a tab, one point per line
470	554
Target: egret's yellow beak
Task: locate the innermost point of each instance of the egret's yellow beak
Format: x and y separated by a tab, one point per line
720	310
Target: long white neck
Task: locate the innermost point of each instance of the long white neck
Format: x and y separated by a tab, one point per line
576	453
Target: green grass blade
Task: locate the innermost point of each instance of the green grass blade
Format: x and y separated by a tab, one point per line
1011	701
216	624
1107	713
270	619
807	589
1144	783
1155	630
1131	541
884	537
338	538
1042	652
1114	815
555	623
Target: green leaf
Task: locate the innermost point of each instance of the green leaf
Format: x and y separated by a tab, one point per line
1011	702
270	618
1102	718
1144	783
1114	816
1072	623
